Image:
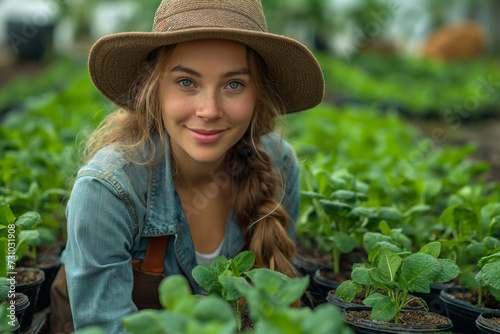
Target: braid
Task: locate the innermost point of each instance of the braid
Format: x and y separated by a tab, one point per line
263	220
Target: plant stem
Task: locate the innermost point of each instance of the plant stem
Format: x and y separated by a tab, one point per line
480	296
336	260
238	315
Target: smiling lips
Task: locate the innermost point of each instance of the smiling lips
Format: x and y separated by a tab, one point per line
206	136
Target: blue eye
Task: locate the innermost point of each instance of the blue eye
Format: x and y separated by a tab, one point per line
234	85
186	83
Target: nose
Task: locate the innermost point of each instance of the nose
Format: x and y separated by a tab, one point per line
209	106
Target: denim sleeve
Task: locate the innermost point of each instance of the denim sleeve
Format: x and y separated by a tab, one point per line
97	255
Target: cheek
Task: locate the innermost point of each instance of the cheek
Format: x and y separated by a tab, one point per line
242	110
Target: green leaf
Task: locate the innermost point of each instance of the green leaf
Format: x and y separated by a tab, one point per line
291	290
488	258
371	238
229	290
388	264
491	273
312	194
212	308
360	274
176	295
384	228
331	207
468	280
449	271
244	261
6	215
377	300
344	242
384	314
432	248
29	219
347	290
344	195
144	322
206	275
390	214
420	270
417	208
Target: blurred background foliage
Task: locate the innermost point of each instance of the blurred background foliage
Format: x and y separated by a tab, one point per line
398	100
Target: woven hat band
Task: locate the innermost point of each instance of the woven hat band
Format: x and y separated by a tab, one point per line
208	18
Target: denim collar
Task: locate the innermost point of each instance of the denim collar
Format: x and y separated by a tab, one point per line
165	213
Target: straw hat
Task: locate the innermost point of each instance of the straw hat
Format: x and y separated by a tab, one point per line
115	60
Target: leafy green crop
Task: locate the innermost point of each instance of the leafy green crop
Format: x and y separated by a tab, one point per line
219	278
398	273
488	276
269	299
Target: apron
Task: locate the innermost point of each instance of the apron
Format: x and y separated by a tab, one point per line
148	275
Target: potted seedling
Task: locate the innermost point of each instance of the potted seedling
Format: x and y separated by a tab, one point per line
28	280
218	279
335	213
399	274
269	298
461	303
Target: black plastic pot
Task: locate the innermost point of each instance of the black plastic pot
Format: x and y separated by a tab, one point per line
31	290
462	314
436	305
485	325
20	307
50	272
322	286
366	326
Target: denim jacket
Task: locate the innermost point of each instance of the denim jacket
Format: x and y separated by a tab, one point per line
113	209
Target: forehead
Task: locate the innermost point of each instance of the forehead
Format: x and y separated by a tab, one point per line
208	53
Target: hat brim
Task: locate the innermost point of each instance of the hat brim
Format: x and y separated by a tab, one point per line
115	60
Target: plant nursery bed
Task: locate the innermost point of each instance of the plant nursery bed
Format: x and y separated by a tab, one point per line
408	318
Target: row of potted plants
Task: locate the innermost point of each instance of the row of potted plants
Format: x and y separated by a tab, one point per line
25	276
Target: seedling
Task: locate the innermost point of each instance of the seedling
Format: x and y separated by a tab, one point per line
398	274
488	277
219	278
269	299
182	313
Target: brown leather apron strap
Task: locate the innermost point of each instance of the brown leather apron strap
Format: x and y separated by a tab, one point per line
155	255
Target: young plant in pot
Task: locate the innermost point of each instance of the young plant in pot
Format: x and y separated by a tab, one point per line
182	313
28	280
218	279
16	303
399	274
465	304
353	292
335	212
269	298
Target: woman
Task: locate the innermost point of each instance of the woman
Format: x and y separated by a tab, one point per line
188	168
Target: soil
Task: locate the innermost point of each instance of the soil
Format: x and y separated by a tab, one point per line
29	262
28	276
412	318
246	322
495	320
471	297
18	299
314	255
336	277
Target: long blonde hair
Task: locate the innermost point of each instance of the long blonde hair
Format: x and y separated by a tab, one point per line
262	218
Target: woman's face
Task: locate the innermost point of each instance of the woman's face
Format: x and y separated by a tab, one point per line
208	99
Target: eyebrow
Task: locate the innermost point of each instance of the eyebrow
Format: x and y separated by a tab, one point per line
240	71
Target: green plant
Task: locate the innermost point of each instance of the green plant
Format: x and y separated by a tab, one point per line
488	277
269	298
16	236
183	313
398	273
334	214
219	278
